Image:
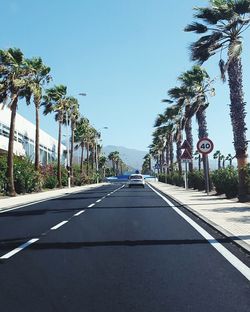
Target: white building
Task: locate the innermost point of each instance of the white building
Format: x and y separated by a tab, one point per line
25	138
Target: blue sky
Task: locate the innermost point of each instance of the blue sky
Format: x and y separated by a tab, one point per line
125	54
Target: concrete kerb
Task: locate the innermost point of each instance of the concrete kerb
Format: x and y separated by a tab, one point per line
11	203
213	225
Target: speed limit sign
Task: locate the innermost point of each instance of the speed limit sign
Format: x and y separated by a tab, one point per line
205	146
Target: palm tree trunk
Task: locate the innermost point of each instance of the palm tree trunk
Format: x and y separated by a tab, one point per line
37	145
189	135
167	157
59	173
87	159
178	155
171	153
203	133
82	153
72	152
237	114
10	158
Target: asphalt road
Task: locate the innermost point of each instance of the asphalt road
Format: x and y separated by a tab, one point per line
119	250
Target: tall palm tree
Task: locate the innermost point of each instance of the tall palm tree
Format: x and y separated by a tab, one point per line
55	100
112	158
15	79
81	134
217	155
73	116
171	122
223	23
40	77
146	166
230	158
182	96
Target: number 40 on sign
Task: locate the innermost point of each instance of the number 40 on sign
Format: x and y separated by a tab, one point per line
205	146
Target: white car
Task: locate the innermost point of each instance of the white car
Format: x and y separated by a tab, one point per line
136	180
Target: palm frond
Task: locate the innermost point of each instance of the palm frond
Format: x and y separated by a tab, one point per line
196	27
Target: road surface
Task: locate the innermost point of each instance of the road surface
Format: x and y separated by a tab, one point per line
115	249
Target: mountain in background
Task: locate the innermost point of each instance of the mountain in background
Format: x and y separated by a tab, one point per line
131	157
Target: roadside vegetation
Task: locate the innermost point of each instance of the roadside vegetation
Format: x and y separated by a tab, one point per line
28	80
220	27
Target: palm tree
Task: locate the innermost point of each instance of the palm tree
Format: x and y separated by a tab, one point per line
81	134
15	79
182	97
223	22
146	166
40	78
102	164
197	156
172	121
217	155
73	116
230	158
55	101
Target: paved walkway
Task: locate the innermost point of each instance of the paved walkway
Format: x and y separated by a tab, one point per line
227	215
11	202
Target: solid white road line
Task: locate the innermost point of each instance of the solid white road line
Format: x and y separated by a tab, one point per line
59	225
238	264
21	247
78	213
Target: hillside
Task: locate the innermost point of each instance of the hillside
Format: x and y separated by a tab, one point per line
131	157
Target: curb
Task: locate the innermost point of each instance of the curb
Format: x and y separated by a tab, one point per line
213	225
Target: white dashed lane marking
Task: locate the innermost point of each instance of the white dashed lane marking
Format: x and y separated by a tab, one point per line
34	240
21	247
78	213
59	225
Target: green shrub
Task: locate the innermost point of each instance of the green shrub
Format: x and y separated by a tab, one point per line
26	178
196	180
226	182
50	182
3	172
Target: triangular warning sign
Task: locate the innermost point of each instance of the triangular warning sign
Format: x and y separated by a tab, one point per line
186	155
186	145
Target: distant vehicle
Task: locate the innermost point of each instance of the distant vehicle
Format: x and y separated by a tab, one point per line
136	180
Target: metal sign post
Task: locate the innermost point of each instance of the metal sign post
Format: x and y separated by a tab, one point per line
205	146
186	174
186	157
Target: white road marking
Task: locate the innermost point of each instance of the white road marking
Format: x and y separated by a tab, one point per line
78	213
98	201
89	206
59	225
239	265
21	247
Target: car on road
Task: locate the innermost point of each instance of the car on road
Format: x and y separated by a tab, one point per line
136	180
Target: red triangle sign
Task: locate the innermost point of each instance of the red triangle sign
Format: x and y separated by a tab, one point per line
186	155
186	145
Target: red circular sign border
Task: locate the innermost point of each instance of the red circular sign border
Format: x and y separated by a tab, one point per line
211	142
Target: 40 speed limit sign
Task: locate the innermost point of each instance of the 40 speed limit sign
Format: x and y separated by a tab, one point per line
205	146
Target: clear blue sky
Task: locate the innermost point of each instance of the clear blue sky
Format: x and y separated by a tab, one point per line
125	54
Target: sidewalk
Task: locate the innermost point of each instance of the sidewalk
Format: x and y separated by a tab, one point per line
226	215
19	200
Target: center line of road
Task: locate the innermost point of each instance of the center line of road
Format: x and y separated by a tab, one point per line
59	225
78	213
16	250
239	265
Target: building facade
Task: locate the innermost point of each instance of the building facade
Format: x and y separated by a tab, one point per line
24	144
